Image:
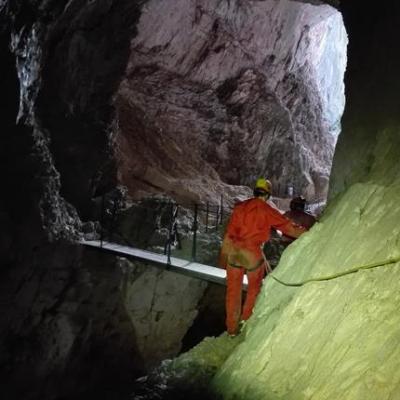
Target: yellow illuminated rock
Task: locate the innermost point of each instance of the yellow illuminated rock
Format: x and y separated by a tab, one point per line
334	339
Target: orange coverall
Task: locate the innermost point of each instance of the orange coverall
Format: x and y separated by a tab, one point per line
248	229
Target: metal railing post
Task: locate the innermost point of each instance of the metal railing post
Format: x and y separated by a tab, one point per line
217	218
101	221
175	228
207	211
221	214
113	212
168	254
167	247
194	249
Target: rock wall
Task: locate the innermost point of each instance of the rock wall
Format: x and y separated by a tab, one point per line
339	338
228	91
161	307
54	127
66	316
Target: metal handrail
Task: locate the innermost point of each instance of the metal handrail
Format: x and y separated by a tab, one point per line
173	239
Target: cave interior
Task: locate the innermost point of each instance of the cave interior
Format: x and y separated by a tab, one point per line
114	111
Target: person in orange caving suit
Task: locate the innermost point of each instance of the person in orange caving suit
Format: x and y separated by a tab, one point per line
298	214
248	229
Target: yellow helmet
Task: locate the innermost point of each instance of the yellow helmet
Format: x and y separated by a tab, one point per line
263	185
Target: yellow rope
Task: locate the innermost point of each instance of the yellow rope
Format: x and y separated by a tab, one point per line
339	274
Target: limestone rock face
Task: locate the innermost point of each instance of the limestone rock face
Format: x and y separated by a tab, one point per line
339	338
228	91
161	306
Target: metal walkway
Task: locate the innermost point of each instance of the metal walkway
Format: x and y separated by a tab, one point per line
193	269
